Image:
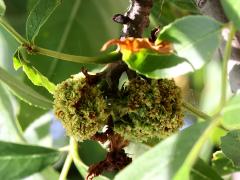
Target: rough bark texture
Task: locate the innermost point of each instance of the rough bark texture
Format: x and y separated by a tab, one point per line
138	15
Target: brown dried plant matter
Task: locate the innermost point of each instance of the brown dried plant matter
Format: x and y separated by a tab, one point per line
136	44
116	158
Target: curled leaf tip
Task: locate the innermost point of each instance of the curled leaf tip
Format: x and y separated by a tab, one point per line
136	44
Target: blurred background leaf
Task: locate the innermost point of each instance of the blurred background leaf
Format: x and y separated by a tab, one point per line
2	8
23	91
222	164
8	122
38	16
230	112
166	11
18	161
202	171
230	145
231	8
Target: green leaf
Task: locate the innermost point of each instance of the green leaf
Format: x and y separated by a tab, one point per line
91	29
155	65
28	114
222	164
194	38
166	160
230	145
164	12
2	8
47	173
33	74
231	119
231	8
38	16
24	92
185	5
202	171
8	124
194	46
42	131
18	161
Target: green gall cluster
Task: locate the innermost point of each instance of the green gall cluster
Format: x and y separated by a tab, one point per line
153	109
80	107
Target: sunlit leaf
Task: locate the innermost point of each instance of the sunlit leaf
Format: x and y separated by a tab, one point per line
222	164
194	38
166	160
32	73
230	145
18	161
193	46
231	119
155	65
2	8
152	60
38	16
231	8
23	91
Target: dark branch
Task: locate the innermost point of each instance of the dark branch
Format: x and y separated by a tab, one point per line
138	12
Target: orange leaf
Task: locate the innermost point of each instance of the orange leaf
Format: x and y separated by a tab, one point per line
136	44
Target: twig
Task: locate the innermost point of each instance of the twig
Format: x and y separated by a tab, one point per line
66	167
34	49
195	111
226	56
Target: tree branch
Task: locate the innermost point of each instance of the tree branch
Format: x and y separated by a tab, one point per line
134	21
138	15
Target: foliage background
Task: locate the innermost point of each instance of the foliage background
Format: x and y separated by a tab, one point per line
81	27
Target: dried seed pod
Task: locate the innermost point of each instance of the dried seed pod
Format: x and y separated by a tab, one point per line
153	109
80	107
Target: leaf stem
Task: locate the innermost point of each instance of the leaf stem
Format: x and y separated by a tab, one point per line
33	49
193	155
66	167
195	111
189	161
64	149
103	59
82	168
226	56
12	31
